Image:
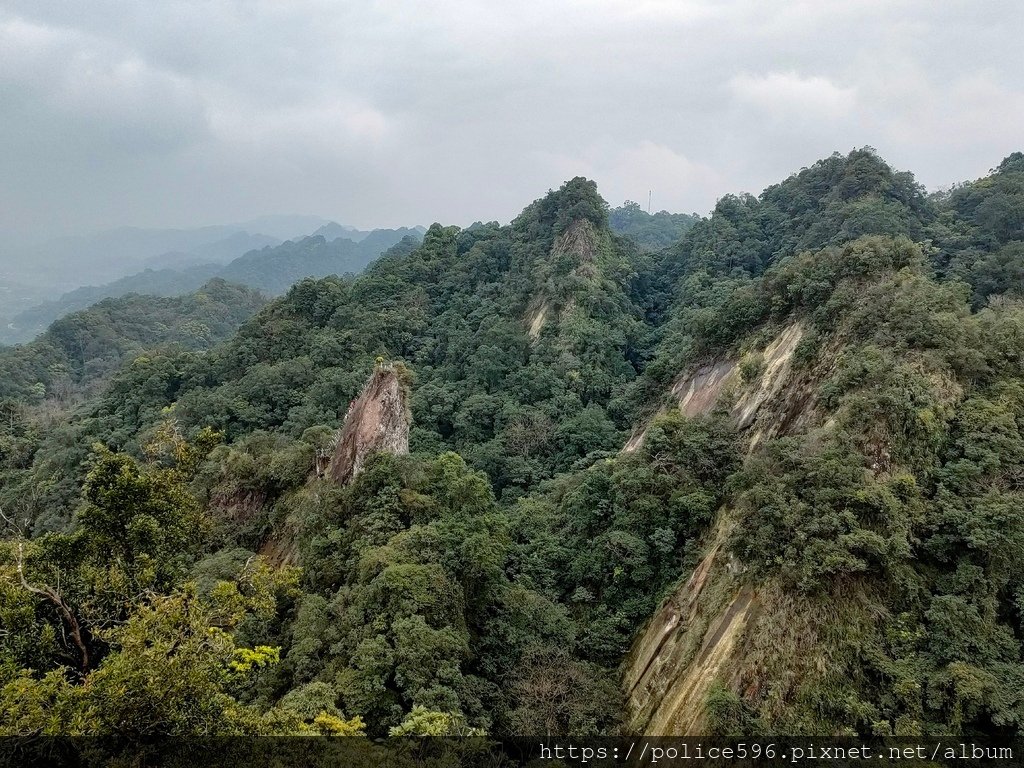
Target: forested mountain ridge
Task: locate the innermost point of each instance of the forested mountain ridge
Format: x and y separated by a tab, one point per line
872	472
29	323
274	270
650	231
981	231
271	269
866	420
868	394
89	345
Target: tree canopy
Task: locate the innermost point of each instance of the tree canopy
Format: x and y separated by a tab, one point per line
174	563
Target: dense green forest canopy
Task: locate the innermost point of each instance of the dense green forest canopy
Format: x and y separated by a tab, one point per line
493	579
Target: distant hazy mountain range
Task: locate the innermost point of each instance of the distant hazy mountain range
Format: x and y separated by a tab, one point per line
175	262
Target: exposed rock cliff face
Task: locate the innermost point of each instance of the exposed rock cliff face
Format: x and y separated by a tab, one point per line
776	400
672	665
581	242
378	420
695	636
536	318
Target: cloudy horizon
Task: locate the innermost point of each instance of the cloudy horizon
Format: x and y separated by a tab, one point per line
387	114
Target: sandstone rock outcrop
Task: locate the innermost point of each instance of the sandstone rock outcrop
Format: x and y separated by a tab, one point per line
777	401
697	635
378	420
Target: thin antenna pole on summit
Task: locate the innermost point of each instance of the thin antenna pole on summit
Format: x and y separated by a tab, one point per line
649	192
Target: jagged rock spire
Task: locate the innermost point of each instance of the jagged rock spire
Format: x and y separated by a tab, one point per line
378	420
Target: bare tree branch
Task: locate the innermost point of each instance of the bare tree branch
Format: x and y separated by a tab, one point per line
11	524
54	597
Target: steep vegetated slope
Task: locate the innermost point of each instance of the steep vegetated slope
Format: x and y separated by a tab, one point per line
861	577
43	384
829	585
458	311
981	230
813	527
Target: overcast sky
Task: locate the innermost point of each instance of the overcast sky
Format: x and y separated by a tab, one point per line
167	113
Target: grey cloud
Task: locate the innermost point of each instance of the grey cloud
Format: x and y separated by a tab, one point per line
389	112
90	94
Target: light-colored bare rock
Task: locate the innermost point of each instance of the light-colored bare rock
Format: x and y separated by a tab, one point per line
378	420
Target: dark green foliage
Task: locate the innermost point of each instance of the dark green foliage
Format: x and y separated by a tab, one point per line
700	290
458	311
134	340
495	578
993	207
980	236
1000	272
825	519
729	716
145	521
834	201
609	540
910	498
412	563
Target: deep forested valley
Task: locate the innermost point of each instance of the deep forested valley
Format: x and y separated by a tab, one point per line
787	436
